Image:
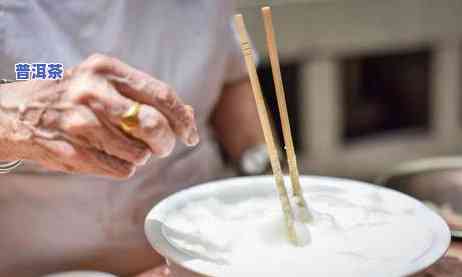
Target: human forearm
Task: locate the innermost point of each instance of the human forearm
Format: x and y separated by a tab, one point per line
14	138
7	145
76	124
235	119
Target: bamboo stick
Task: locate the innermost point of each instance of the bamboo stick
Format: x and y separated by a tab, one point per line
305	214
265	123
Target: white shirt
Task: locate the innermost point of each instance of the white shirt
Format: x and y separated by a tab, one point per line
188	44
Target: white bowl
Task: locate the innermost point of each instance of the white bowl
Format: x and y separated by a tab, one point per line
239	189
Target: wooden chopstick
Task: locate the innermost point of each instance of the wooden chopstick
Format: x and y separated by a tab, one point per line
265	123
305	214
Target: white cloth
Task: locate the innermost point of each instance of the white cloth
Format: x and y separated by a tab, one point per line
189	44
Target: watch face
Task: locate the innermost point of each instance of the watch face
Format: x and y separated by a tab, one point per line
255	160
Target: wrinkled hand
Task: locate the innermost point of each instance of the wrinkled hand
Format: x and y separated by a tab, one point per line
73	125
161	271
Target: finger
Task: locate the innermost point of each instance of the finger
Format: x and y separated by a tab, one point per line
77	159
82	124
164	99
160	271
49	160
143	88
153	128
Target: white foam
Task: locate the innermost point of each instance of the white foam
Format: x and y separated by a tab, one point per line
351	235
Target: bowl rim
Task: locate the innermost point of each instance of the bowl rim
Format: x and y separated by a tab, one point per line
172	254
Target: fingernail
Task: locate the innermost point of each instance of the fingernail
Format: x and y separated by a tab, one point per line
132	172
144	159
192	138
126	175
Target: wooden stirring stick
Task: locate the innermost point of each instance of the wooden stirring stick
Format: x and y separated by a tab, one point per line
265	123
305	214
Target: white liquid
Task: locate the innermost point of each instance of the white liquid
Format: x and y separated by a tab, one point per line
353	234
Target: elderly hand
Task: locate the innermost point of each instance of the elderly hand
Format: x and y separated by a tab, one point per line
74	124
160	271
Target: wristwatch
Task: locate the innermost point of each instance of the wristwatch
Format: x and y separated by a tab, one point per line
6	167
254	161
6	81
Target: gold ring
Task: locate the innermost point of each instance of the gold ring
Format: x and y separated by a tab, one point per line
130	118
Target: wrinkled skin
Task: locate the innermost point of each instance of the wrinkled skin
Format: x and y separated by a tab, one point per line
73	125
72	223
161	271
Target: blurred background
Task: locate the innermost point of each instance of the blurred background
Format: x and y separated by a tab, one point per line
369	84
